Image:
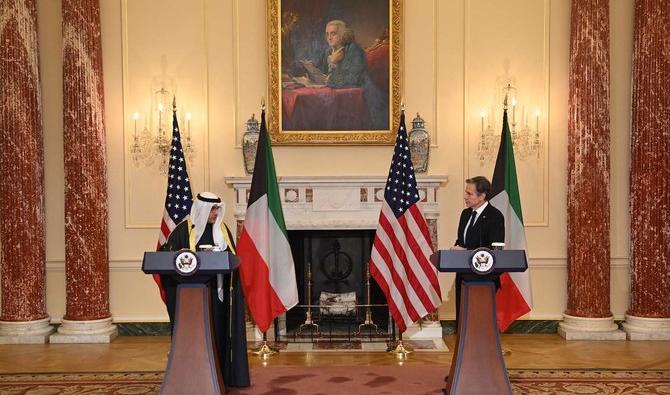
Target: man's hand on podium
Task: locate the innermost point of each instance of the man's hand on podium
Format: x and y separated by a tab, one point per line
456	248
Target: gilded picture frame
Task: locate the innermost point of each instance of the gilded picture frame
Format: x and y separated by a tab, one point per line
334	71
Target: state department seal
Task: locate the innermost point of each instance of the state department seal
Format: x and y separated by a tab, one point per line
186	262
482	261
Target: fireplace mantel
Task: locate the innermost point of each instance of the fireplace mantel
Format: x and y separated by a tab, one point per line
337	202
341	202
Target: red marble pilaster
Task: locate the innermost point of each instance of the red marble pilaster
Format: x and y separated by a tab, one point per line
588	162
22	235
86	249
650	162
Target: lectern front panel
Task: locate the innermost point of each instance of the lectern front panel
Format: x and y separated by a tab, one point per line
193	365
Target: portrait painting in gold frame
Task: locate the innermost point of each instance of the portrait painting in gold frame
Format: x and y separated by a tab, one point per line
334	71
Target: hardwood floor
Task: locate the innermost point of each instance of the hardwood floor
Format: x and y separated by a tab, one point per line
537	351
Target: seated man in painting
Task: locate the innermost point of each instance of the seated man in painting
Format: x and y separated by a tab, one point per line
343	61
344	65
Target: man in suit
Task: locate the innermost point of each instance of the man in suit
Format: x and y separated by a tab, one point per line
480	225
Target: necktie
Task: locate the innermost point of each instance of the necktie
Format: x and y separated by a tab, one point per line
471	224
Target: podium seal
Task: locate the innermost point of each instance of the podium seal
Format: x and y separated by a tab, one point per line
482	261
186	262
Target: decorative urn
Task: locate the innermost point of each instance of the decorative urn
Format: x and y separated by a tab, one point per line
419	145
250	144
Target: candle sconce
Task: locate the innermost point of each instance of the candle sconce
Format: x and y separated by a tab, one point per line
153	143
527	142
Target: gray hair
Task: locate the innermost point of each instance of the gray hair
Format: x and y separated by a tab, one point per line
347	34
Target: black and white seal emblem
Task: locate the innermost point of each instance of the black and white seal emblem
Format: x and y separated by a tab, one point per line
186	262
482	261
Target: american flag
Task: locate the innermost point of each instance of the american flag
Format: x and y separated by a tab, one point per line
400	258
179	198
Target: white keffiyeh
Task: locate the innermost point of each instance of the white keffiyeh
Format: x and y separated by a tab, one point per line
200	210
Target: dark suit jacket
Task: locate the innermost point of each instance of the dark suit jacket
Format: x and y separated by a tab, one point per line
489	228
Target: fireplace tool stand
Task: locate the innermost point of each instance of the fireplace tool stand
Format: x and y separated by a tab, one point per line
368	323
309	323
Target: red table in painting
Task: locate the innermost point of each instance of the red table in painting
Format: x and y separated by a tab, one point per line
324	109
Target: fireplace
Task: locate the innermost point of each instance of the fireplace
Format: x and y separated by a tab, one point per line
337	260
331	222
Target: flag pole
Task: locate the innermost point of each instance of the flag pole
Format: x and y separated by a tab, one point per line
264	352
400	351
398	202
504	349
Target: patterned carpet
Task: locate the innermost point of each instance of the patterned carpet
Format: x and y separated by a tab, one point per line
413	379
127	383
636	382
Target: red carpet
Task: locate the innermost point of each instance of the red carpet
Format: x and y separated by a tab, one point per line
416	380
362	380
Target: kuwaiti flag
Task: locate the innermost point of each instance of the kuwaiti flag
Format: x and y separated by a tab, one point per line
266	269
513	299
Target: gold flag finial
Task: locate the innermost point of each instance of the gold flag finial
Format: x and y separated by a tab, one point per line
263	103
174	103
509	86
402	105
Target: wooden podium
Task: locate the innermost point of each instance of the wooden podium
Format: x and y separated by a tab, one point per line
478	366
193	366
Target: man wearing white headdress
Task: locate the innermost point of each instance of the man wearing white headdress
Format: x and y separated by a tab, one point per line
205	228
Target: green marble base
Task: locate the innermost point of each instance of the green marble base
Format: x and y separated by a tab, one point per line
534	326
143	328
448	327
521	326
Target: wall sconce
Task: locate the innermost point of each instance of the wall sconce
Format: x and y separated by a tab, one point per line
526	142
153	144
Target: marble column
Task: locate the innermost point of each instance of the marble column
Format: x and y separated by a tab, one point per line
87	316
588	314
23	318
648	317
